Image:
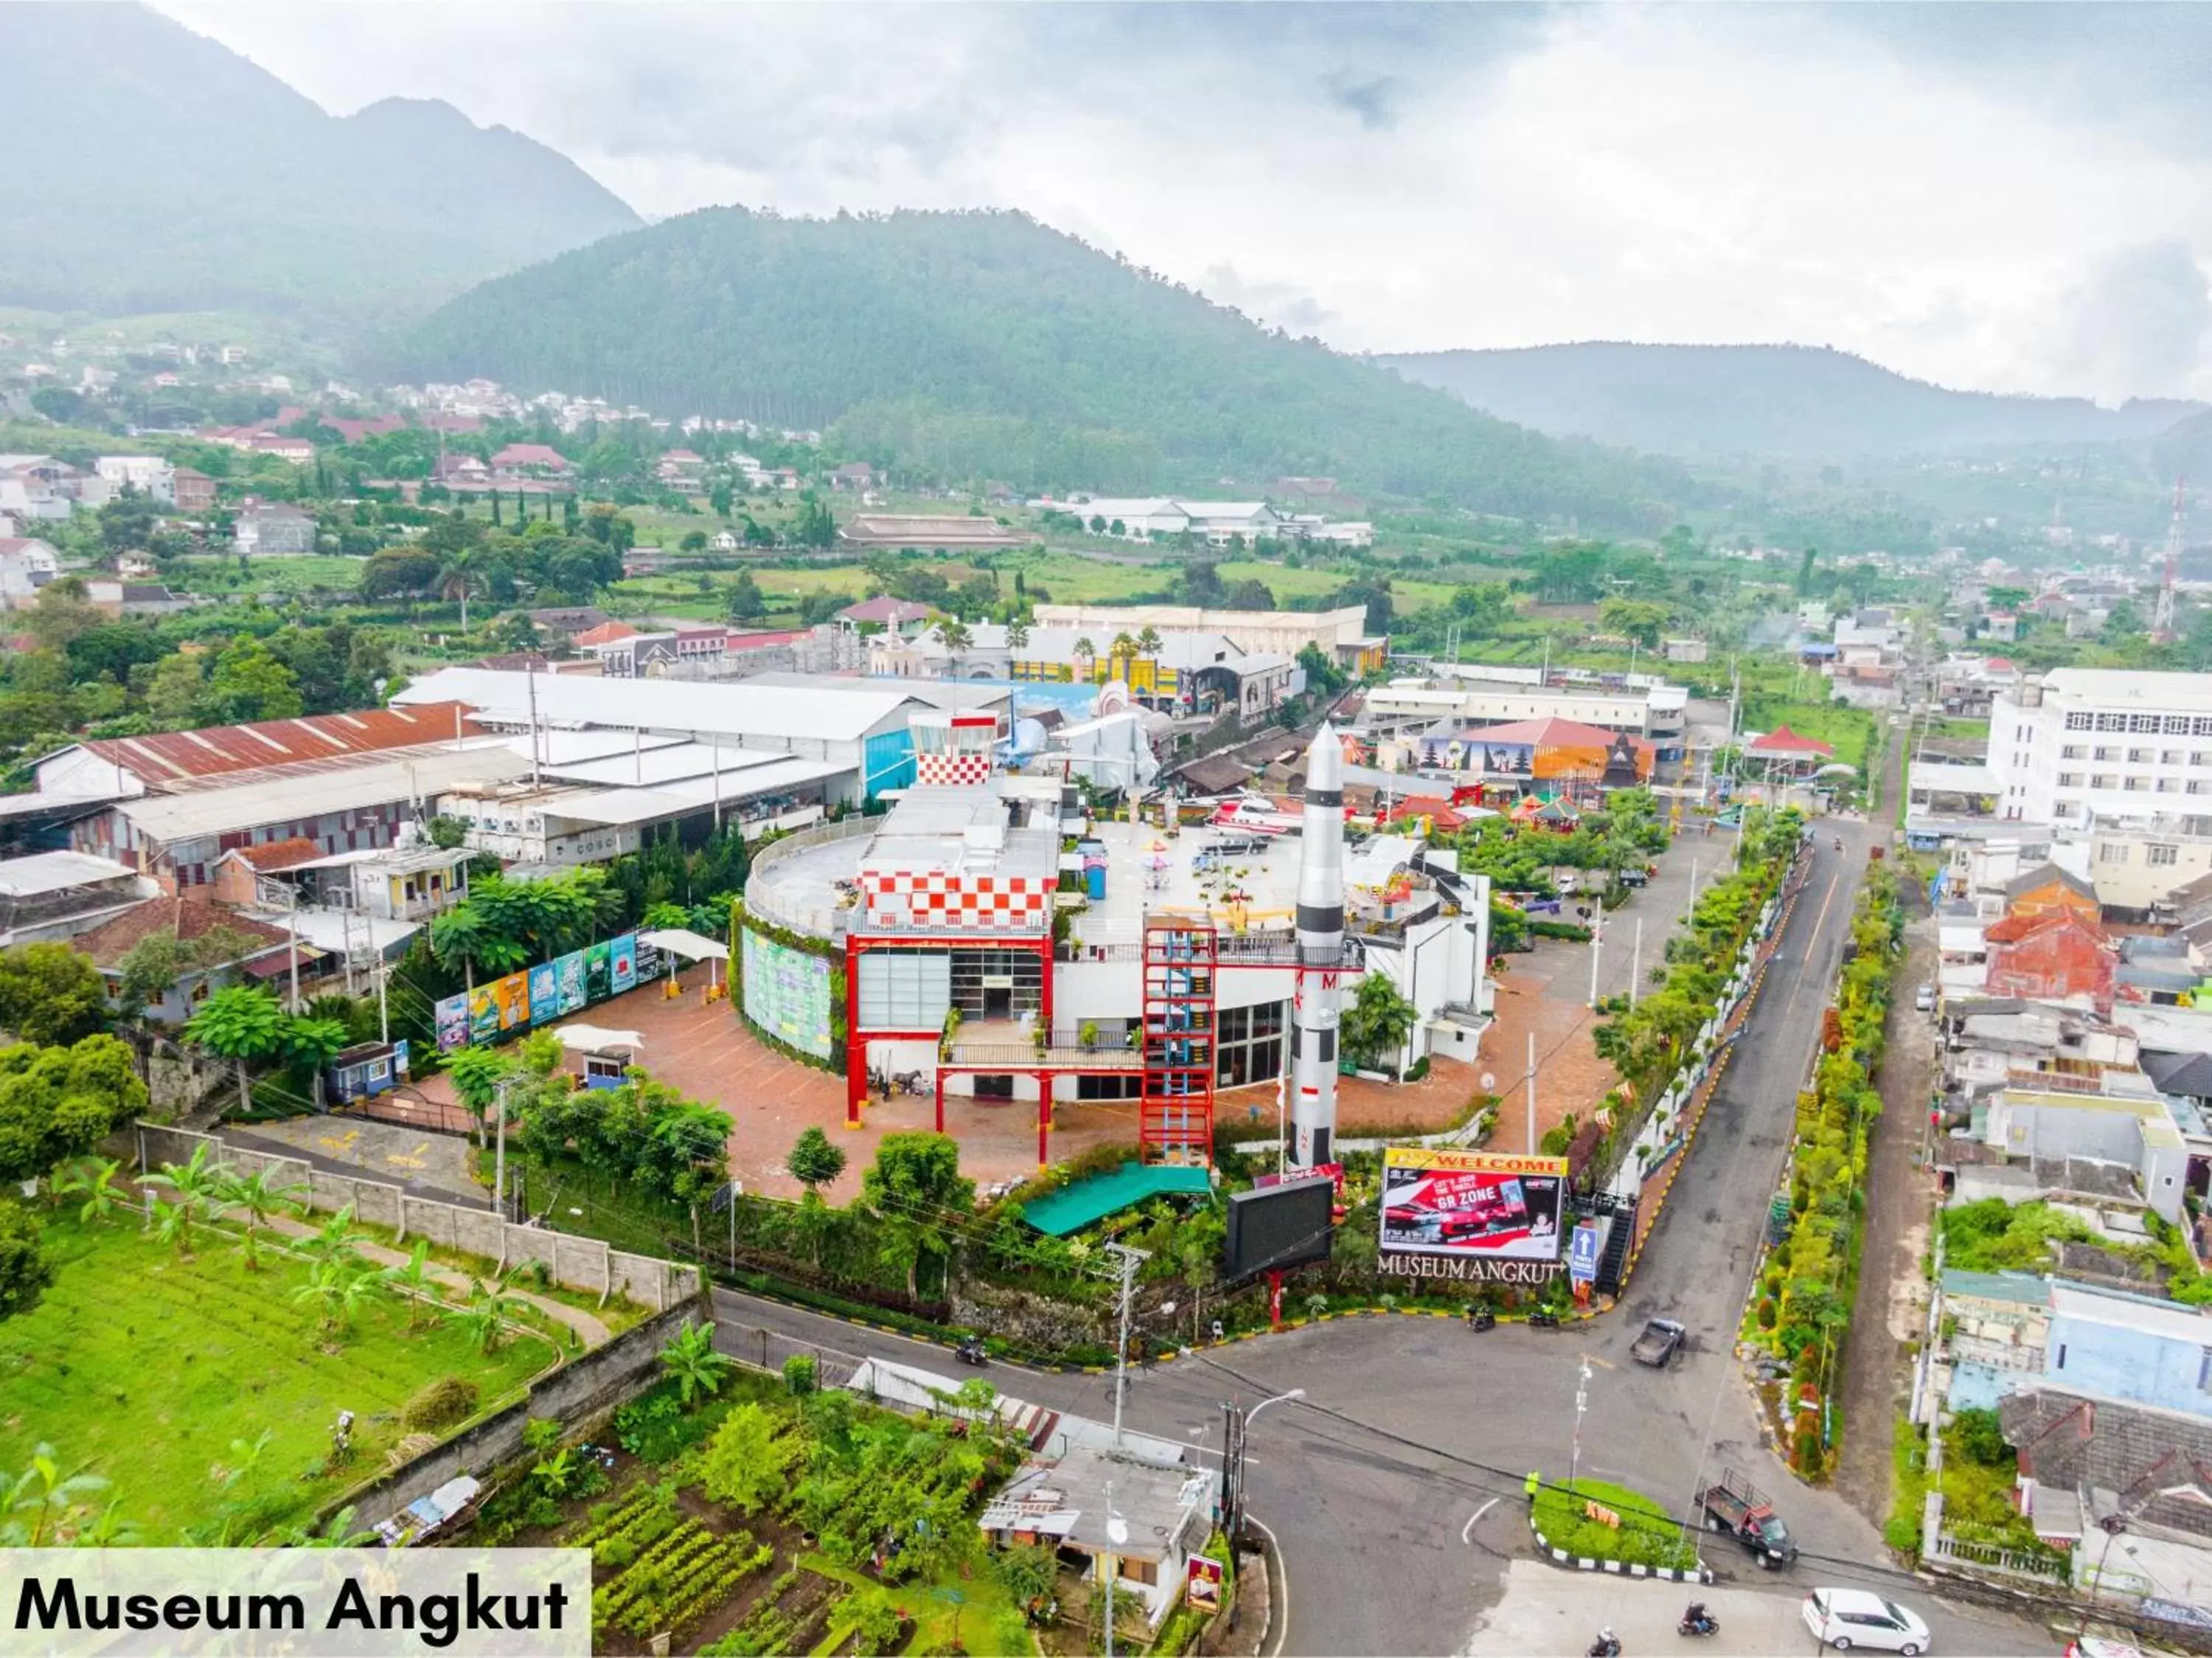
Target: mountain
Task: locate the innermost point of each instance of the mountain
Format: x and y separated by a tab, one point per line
152	170
987	345
1792	401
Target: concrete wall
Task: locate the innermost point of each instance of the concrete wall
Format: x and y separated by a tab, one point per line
2143	1366
600	1380
588	1264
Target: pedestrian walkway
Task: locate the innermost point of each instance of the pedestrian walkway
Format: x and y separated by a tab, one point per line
591	1330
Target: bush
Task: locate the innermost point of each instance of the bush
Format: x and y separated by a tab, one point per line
654	1427
798	1372
1977	1433
444	1404
1646	1536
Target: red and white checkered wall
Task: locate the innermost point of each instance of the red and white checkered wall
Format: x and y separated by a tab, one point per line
952	771
930	898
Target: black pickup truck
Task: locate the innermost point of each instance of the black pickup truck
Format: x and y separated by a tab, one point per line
1661	1339
1733	1504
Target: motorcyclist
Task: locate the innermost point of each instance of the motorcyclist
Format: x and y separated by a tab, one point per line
1607	1644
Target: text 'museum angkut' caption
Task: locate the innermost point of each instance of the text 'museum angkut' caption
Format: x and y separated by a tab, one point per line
312	1603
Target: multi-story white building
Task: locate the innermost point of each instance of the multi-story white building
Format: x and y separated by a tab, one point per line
2079	745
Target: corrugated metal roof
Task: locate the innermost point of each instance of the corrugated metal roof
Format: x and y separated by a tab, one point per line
278	798
172	756
56	872
736	711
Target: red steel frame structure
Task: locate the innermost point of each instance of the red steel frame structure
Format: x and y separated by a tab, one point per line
1175	1117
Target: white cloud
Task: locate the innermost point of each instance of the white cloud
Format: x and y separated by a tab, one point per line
1393	180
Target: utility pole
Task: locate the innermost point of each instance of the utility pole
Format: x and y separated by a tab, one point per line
1127	1261
1636	961
1597	948
1582	1403
499	1157
1532	1094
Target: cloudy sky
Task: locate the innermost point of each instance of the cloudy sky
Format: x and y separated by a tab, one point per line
2013	198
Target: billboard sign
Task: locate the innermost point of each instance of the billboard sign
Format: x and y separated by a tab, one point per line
1476	1205
452	1014
1273	1227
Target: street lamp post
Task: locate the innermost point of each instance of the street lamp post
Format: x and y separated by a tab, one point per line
1581	1405
1234	1423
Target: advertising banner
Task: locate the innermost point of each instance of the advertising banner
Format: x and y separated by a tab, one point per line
544	994
484	1015
622	973
453	1022
787	993
598	967
1202	1583
512	994
1471	1204
651	964
571	970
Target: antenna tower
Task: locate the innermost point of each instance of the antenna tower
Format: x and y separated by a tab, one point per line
2161	625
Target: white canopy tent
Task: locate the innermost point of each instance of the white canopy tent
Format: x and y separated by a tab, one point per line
692	946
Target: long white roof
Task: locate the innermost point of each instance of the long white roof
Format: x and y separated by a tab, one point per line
277	799
735	710
2153	692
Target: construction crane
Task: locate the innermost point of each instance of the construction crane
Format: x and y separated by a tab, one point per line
2161	621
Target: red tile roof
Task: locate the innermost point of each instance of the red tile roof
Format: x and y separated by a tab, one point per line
1551	733
277	854
606	633
172	756
188	918
530	454
1783	740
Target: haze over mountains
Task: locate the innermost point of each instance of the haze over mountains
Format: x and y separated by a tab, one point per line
989	345
1796	401
151	169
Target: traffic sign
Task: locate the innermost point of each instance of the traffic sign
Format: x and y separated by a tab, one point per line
1582	1253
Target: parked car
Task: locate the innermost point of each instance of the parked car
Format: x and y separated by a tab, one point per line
1844	1619
1661	1339
1924	999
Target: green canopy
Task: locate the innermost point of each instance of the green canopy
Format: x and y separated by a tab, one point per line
1074	1207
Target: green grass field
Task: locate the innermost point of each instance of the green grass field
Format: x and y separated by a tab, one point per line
147	1368
1642	1534
306	574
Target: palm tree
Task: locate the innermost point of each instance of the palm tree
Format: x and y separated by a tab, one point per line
1087	654
242	1024
1124	646
1017	635
414	1282
459	575
1149	641
257	1196
956	637
96	1178
466	935
692	1363
46	1494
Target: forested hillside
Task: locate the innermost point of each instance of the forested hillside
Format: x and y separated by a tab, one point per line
151	169
1783	401
987	345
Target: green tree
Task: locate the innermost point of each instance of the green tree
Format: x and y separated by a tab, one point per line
746	601
815	1161
59	1103
51	994
174	691
242	1024
477	1076
413	1281
749	1459
1639	620
915	1188
337	1292
197	1189
491	1304
461	575
25	1272
248	683
691	1362
1377	1023
315	1043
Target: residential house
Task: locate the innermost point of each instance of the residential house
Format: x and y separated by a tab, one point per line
300	451
2055	955
529	460
901	616
2003	1042
191	490
2132	1348
2139	868
274	529
257	951
148	474
1340	634
26	565
724	541
135	597
1995	1327
567	621
2124	1145
461	472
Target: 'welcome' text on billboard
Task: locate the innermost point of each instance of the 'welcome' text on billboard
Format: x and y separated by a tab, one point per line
1471	1204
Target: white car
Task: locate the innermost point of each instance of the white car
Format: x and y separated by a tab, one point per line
1844	1619
1924	999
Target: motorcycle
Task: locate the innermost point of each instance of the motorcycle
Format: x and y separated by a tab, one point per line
1698	1621
971	1352
1608	1645
1543	1318
1480	1319
1839	843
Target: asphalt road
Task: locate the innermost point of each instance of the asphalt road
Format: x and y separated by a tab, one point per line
1372	1486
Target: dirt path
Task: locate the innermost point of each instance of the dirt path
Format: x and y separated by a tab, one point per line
591	1330
1892	1299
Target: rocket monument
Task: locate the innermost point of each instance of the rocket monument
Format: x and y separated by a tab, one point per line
1321	955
